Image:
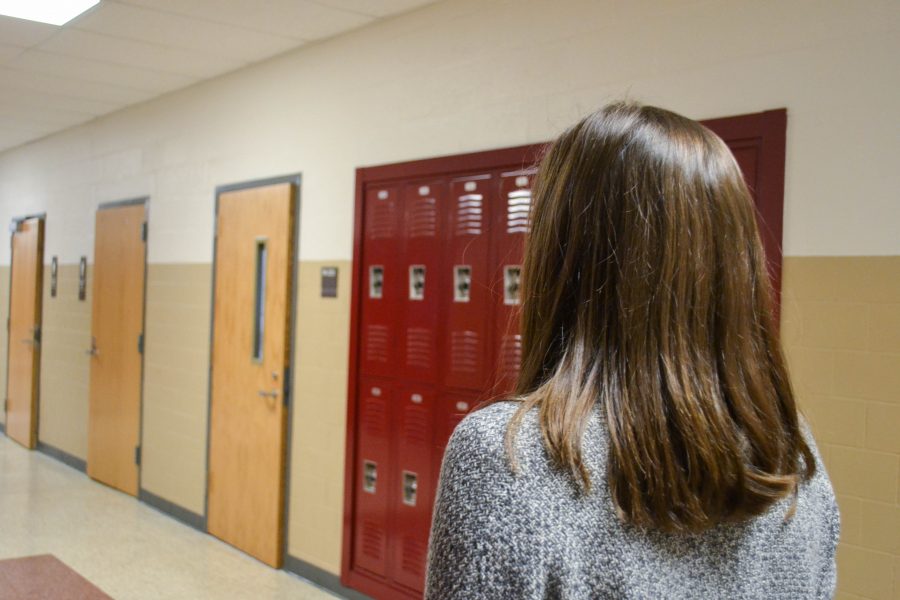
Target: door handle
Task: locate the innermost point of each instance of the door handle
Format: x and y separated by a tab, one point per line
94	351
265	394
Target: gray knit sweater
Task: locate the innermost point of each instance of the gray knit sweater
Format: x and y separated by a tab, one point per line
531	535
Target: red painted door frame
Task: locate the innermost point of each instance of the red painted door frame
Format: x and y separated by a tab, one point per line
760	133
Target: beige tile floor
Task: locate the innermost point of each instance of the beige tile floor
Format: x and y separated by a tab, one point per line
123	546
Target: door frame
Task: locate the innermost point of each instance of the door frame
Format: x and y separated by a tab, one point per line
289	380
145	201
14	222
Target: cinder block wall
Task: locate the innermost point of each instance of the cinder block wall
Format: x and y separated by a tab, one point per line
466	75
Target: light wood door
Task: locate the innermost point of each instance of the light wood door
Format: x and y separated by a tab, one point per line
25	331
250	353
117	323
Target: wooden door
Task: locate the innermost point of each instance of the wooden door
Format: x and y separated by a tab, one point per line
250	353
25	331
117	324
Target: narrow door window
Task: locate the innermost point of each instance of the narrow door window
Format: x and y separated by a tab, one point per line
259	308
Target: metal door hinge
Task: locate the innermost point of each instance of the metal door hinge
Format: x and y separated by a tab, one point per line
144	232
137	455
141	343
37	335
286	394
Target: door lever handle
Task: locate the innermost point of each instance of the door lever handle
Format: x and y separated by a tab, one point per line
265	394
94	351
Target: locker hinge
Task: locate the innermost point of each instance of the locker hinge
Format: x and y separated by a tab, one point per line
141	343
144	231
286	392
137	455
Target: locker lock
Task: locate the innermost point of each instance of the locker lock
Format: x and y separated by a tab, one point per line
511	284
410	488
370	476
462	276
417	282
376	282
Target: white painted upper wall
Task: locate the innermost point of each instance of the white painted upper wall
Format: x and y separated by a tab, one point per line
466	75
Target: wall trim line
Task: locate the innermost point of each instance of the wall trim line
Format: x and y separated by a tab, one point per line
320	577
79	464
179	513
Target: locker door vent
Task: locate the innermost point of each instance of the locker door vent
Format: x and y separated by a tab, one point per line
381	221
469	212
376	343
510	355
372	539
415	425
413	559
464	351
422	218
518	208
374	417
418	348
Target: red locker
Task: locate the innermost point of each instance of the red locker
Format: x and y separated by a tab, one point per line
422	268
382	296
512	221
467	298
453	407
373	476
413	485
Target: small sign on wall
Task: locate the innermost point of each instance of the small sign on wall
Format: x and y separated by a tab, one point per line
329	282
82	278
54	271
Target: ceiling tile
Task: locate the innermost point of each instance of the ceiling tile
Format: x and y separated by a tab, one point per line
65	86
299	19
8	53
94	71
22	33
376	8
51	101
184	32
95	46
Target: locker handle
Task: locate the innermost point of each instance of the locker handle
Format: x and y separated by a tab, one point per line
410	488
370	476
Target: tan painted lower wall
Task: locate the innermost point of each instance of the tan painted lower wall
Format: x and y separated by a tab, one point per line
841	332
65	368
319	418
176	376
4	312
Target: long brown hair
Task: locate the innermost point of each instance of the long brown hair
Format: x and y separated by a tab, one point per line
645	290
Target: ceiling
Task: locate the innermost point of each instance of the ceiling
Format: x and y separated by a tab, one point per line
126	51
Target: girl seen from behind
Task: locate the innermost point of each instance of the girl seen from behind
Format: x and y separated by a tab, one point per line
653	447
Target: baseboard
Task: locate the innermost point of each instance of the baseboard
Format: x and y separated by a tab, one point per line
62	456
178	513
321	578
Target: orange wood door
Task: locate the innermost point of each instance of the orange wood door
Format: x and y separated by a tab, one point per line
25	331
250	353
117	323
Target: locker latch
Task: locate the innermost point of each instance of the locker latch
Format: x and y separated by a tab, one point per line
370	476
417	282
511	280
376	282
462	277
410	487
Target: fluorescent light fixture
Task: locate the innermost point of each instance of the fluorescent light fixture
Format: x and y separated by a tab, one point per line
54	12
